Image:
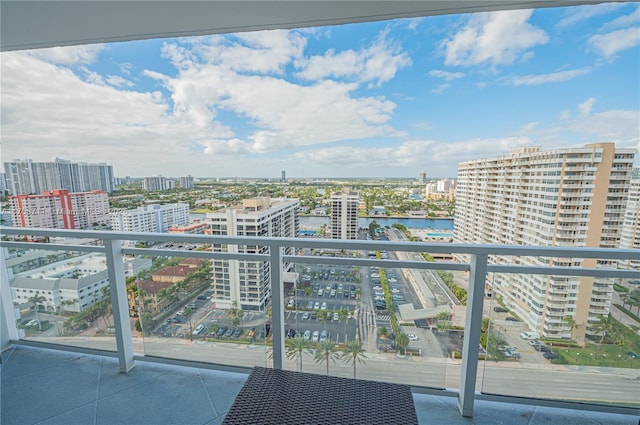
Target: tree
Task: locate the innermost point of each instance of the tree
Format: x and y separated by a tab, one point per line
571	323
353	353
213	328
603	327
295	347
37	300
325	352
343	315
402	341
323	316
384	332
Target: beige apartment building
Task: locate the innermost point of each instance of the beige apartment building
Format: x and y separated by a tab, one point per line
571	197
248	283
344	215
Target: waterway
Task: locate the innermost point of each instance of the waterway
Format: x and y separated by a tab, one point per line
416	223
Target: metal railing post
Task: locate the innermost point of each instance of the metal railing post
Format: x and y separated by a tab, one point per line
120	304
277	306
472	330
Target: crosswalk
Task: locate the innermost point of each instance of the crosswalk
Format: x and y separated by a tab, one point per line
383	317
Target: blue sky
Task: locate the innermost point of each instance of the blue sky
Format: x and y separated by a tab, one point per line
384	99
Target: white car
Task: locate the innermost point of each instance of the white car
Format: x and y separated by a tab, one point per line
324	306
316	336
412	337
290	303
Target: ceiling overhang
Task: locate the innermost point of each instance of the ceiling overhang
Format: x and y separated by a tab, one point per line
27	24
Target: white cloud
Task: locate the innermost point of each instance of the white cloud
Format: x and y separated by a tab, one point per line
585	107
623	21
449	76
528	128
554	77
578	14
611	43
71	55
440	88
495	38
376	63
118	81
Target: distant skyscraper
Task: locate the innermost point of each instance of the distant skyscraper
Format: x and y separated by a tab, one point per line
28	177
422	177
186	182
344	215
248	283
283	177
155	183
60	209
571	197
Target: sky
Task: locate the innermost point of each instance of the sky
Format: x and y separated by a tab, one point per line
385	99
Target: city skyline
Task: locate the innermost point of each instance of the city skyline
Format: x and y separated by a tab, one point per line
383	99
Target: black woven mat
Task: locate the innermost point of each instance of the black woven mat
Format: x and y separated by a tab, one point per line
280	397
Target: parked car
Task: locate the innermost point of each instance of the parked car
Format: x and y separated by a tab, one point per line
550	355
305	316
237	333
335	317
529	335
202	297
323	336
222	331
198	329
500	309
316	336
307	334
511	319
229	333
291	302
324	306
412	337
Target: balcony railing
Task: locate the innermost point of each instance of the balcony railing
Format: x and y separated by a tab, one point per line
467	372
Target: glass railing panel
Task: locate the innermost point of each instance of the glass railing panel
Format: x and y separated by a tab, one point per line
62	296
567	343
181	309
364	311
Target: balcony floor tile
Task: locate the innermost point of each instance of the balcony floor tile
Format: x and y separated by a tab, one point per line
50	387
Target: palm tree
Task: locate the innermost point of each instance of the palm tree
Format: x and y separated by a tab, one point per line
603	326
402	340
295	347
325	351
343	315
323	316
353	353
571	323
36	300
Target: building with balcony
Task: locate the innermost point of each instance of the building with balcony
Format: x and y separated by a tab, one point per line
155	183
571	197
195	228
150	218
60	209
630	232
248	283
344	215
186	182
29	177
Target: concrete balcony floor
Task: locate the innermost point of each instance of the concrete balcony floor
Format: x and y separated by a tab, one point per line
43	386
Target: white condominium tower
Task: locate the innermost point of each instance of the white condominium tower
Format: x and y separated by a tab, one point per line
571	197
150	218
344	215
248	283
630	234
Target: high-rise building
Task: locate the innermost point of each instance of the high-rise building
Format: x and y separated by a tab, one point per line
150	218
186	182
248	283
28	177
570	197
422	178
630	233
283	176
344	215
60	209
155	183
